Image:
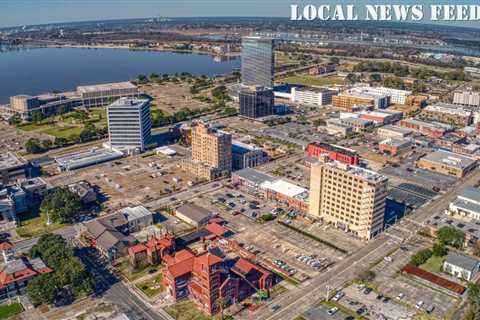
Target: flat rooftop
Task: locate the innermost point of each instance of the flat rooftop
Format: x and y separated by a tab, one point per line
448	108
106	87
393	128
253	175
8	160
365	174
313	89
87	158
450	158
133	213
432	125
286	188
362	93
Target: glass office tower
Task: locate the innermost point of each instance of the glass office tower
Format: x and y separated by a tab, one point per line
258	61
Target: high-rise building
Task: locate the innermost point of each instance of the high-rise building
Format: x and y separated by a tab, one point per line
129	124
256	102
350	197
258	64
211	152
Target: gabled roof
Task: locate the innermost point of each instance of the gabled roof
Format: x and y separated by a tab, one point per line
216	229
20	269
462	261
136	249
180	264
4	246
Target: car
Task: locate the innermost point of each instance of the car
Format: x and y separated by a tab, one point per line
231	205
361	310
400	296
419	304
380	297
235	213
388	259
430	309
275	307
242	210
339	295
229	195
222	200
242	201
332	311
349	318
386	300
367	291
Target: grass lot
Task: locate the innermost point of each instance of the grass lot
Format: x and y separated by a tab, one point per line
151	287
312	80
434	264
63	132
7	311
124	269
186	310
34	226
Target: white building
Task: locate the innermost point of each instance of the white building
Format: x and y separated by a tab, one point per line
312	96
466	204
461	266
129	124
467	98
396	96
391	131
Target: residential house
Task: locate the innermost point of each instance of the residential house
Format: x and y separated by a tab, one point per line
461	266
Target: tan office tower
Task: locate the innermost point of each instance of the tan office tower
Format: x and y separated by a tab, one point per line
211	152
350	197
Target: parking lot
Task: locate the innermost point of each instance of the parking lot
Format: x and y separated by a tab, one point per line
272	241
324	312
398	287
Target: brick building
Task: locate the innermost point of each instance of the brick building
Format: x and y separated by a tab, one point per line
334	152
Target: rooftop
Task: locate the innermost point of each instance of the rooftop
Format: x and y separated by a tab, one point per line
450	159
448	108
470	193
390	127
313	89
395	142
194	212
8	159
87	158
253	175
462	261
106	87
365	174
286	188
335	148
432	125
134	213
129	102
362	93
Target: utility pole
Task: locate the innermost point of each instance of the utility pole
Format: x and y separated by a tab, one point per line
328	293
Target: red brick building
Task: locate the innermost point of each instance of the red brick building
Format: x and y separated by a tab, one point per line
152	252
348	156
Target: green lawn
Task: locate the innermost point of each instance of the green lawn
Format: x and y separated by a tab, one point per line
7	311
124	269
434	264
36	226
63	132
151	287
186	310
312	80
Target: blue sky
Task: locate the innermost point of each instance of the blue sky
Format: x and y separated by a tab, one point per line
25	12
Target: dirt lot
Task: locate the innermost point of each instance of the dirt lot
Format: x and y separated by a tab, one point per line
131	180
171	97
13	139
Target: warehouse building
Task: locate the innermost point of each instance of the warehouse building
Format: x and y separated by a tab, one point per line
447	163
86	159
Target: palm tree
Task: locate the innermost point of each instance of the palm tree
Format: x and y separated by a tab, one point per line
221	303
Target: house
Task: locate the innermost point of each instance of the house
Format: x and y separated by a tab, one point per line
15	275
256	278
461	266
85	192
152	252
192	214
107	239
136	218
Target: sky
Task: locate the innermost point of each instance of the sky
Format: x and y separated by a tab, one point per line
28	12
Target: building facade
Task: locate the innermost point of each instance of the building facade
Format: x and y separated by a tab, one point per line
448	113
312	96
245	156
350	197
258	61
467	98
256	102
334	152
100	95
448	163
129	124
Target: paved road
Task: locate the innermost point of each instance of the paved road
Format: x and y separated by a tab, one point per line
307	294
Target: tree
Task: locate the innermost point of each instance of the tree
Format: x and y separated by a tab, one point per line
393	82
366	275
62	206
62	109
47	144
14	120
451	236
34	146
421	257
221	303
60	142
375	77
37	116
43	288
439	250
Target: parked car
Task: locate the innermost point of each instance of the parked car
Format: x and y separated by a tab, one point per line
332	311
367	291
400	296
338	296
276	307
419	304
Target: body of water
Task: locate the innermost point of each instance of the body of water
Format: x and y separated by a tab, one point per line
38	70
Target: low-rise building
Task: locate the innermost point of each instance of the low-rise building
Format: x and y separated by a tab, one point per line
339	153
447	163
467	98
250	180
246	156
448	113
287	193
12	168
137	218
151	252
382	117
85	191
100	95
312	96
357	124
194	215
359	96
394	146
467	204
390	131
461	266
397	96
430	129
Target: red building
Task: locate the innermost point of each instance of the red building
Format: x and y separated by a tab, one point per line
334	152
205	278
152	252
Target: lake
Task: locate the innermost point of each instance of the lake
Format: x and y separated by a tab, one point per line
38	70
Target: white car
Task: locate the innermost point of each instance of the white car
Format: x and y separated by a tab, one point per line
419	304
338	296
400	296
332	311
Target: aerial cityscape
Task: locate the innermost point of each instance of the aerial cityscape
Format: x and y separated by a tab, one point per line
207	168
